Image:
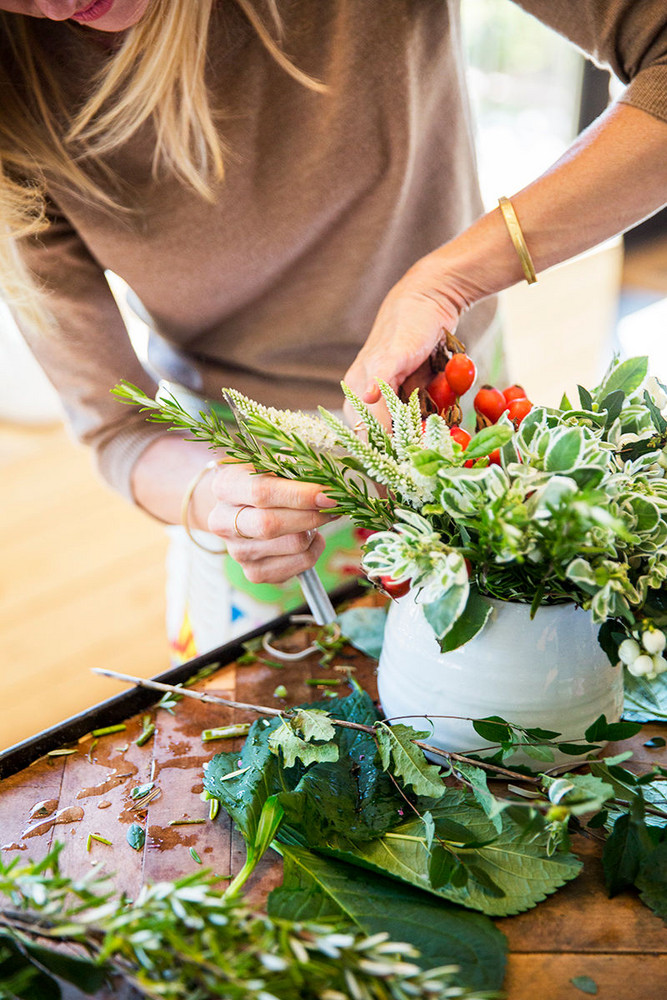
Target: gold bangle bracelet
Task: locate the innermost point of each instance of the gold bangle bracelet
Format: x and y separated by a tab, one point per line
518	239
185	507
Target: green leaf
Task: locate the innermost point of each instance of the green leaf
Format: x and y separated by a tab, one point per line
136	836
480	789
487	440
31	982
652	881
585	984
313	724
611	731
622	855
443	613
613	404
284	740
655	742
625	377
410	765
473	619
585	398
645	701
585	792
351	795
244	796
364	629
563	454
610	637
565	403
319	888
494	729
519	867
426	461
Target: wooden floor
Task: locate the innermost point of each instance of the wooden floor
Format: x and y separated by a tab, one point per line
81	572
81	583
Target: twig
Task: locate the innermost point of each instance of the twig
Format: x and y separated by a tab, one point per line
343	723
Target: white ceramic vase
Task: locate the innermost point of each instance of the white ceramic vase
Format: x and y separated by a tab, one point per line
548	672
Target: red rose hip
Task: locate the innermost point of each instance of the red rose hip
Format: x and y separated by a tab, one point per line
490	402
441	392
460	371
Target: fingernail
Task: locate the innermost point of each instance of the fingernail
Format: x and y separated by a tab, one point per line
322	500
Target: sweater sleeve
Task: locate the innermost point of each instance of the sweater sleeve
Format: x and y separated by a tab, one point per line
627	36
87	351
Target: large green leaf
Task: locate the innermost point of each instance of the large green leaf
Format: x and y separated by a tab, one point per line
625	377
652	881
473	619
519	867
364	628
645	701
257	776
319	888
410	765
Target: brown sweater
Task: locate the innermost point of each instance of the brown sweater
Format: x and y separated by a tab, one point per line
328	199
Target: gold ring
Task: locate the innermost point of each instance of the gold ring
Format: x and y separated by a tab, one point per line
238	531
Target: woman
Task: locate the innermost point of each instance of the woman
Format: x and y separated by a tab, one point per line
274	182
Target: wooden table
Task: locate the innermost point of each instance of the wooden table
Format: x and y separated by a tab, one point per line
578	931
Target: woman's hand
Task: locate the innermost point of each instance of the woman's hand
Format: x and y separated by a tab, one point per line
269	524
428	300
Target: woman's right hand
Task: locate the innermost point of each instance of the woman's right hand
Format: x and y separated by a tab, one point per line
269	524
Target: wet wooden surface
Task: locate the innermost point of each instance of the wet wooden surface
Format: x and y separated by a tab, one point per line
578	931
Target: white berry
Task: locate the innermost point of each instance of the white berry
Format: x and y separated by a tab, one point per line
659	664
642	666
654	641
628	651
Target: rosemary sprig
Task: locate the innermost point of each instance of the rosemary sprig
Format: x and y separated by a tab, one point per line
185	939
285	455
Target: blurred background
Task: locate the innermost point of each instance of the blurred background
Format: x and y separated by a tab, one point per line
81	577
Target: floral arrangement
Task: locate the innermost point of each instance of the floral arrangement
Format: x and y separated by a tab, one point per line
549	505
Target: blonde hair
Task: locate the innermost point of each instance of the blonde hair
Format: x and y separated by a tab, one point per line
157	73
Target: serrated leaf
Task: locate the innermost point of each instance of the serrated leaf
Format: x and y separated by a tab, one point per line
321	888
645	701
410	765
519	867
622	854
584	792
258	777
652	881
313	724
364	629
284	740
472	620
480	789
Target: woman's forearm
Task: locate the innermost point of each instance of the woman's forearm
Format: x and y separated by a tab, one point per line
614	175
162	474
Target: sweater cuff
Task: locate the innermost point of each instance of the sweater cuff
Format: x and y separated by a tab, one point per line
648	91
116	457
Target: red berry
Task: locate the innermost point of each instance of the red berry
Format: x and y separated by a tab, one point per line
514	392
460	372
460	436
490	403
518	409
441	392
494	457
394	589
